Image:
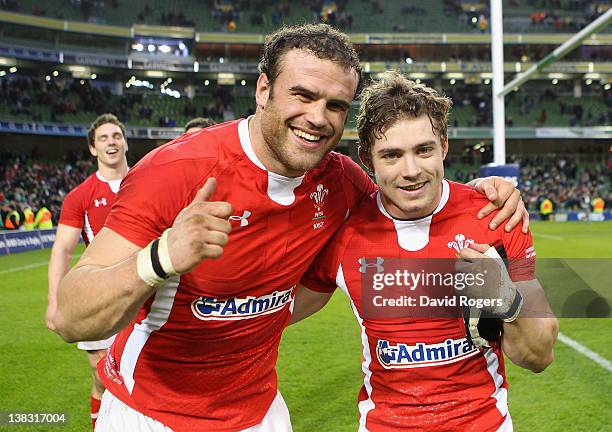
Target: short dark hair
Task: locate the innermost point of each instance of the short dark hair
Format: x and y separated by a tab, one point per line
322	40
394	97
103	119
201	122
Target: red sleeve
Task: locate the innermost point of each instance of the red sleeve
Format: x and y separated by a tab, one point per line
357	183
521	254
73	211
518	246
322	273
153	193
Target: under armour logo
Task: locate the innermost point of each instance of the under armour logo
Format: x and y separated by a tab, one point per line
460	243
244	219
365	264
100	202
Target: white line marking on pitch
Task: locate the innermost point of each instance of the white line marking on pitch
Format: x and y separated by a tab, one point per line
29	266
606	364
548	236
25	267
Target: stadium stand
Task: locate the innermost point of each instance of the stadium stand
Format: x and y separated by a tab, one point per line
571	186
571	181
45	91
76	101
261	16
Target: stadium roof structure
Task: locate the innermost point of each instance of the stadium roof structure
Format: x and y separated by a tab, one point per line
258	39
84	62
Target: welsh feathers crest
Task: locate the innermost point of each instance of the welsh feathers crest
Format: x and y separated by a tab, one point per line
318	196
460	243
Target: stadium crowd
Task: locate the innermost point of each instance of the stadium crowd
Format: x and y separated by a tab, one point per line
569	186
66	100
26	182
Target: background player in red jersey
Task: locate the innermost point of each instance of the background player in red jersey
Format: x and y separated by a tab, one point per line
83	214
425	372
199	341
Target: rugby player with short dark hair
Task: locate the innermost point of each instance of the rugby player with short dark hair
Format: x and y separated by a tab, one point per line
84	211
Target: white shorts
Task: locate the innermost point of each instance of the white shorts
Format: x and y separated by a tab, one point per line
96	345
115	416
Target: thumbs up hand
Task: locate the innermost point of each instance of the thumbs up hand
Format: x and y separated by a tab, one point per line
200	231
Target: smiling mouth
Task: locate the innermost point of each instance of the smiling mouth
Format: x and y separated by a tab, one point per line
306	136
112	151
412	188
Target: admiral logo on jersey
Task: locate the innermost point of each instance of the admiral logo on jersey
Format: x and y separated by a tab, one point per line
402	356
209	308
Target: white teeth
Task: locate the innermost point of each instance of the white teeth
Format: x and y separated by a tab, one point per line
412	187
306	135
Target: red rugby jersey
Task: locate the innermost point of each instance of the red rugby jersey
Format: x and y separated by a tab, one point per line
201	353
421	373
88	205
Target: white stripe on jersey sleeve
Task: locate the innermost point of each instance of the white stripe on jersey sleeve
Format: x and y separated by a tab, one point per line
156	318
500	394
87	228
367	405
507	425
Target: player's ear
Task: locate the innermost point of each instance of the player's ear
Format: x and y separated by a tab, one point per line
262	91
93	151
366	159
445	148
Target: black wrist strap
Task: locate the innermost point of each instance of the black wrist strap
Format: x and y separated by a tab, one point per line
157	267
514	310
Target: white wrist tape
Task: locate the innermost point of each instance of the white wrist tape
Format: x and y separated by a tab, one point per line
164	255
153	262
511	298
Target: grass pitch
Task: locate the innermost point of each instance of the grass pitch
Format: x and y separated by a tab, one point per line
319	361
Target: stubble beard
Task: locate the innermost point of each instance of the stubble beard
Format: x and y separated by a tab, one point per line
276	138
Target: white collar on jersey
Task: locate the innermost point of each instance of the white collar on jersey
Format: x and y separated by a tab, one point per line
413	235
280	188
112	184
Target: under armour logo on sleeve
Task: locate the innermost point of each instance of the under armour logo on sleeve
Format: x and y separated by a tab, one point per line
365	263
100	202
